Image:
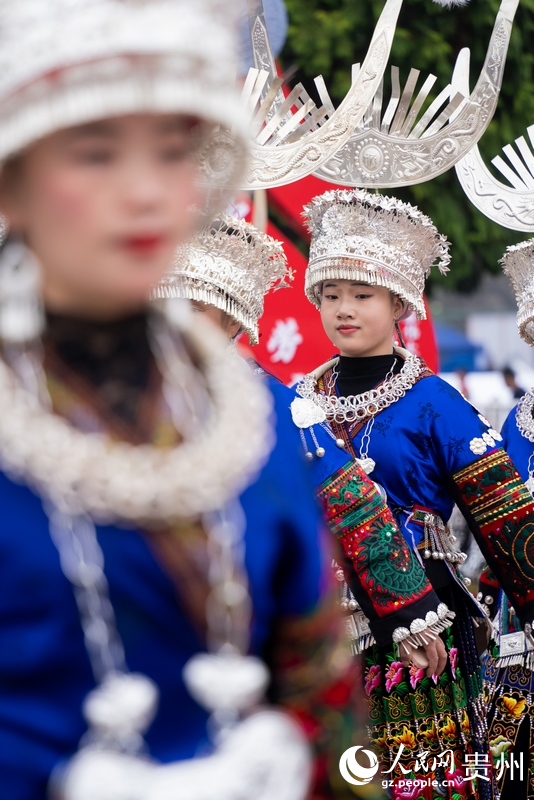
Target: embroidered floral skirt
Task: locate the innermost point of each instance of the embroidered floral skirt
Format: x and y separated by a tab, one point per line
429	733
509	692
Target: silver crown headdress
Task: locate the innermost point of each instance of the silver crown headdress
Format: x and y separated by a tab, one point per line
518	264
374	239
396	148
231	265
67	62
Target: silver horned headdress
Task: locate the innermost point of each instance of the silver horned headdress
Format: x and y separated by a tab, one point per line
518	264
68	62
406	144
374	239
231	265
289	144
508	204
356	144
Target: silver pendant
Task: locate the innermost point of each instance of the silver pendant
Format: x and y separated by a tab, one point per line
367	464
265	756
511	644
122	707
530	484
232	681
306	413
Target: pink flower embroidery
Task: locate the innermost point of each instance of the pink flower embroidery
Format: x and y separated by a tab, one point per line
457	780
415	675
394	675
410	789
373	679
453	657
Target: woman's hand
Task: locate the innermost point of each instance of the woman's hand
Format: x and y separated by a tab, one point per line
431	657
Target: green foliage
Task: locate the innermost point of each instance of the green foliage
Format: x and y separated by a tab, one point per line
327	36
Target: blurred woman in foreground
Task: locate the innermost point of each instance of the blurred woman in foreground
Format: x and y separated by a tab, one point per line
124	441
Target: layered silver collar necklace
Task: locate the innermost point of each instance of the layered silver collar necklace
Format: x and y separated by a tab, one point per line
360	407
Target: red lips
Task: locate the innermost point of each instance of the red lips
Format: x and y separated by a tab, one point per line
347	329
143	245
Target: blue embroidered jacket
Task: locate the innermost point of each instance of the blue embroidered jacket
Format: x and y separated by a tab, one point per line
518	447
432	449
44	668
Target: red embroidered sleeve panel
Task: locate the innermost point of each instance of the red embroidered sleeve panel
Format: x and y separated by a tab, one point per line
500	511
383	572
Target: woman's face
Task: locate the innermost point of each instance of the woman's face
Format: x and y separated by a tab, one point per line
219	317
104	206
359	318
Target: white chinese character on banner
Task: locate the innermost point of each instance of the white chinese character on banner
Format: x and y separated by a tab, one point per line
284	340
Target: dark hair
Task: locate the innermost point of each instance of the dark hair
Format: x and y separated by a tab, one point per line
219	226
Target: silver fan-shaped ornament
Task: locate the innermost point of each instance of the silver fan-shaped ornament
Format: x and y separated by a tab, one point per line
508	204
291	136
397	148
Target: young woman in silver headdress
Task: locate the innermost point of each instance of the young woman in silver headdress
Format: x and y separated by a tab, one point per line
124	440
428	448
509	680
225	273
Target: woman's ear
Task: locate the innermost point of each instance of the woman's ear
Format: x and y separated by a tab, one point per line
229	325
233	329
398	307
10	195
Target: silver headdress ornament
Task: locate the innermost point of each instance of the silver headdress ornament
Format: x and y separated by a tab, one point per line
401	146
374	239
68	62
288	146
510	205
231	265
518	264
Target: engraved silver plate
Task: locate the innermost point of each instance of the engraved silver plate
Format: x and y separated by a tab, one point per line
362	624
351	627
357	626
512	644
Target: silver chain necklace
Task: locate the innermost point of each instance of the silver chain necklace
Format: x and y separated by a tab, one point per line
368	404
366	462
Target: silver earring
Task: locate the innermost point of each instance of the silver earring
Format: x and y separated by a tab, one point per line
21	308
